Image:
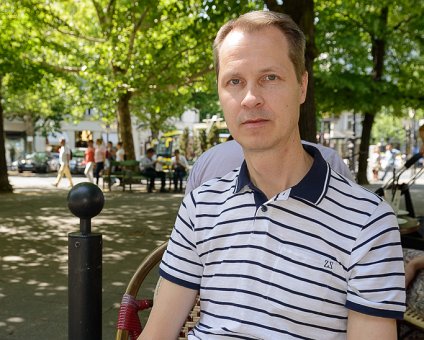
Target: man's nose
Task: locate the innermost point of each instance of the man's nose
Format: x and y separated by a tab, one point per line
252	98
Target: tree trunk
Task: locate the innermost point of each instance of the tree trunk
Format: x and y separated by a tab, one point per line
5	186
378	52
302	12
367	124
125	125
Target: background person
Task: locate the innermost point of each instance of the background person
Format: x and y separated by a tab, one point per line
151	168
89	161
284	247
99	158
180	166
64	158
120	152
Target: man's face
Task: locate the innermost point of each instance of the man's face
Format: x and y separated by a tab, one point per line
258	89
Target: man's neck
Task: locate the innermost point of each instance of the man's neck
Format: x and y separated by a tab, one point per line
273	172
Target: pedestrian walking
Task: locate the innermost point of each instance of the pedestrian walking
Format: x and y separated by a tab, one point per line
64	158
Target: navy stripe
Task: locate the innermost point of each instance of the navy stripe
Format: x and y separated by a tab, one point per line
231	335
178	281
374	311
185	239
192	199
187	224
363	199
180	244
226	210
385	231
391	244
392	259
348	208
391	213
383	301
359	277
226	222
379	290
184	259
339	177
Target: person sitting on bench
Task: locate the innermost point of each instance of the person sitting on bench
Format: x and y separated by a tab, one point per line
151	168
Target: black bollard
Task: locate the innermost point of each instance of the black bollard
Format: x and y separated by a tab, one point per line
85	200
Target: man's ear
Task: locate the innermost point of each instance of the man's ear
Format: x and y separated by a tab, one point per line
303	87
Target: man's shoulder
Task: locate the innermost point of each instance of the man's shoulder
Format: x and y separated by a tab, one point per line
218	184
349	187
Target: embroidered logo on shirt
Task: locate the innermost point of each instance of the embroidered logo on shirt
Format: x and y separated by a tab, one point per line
328	264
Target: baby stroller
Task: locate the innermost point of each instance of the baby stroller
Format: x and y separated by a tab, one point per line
392	186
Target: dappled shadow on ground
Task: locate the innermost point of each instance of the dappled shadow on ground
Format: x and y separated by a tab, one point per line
34	228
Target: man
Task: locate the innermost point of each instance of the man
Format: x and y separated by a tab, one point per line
389	157
180	166
284	247
224	157
151	168
64	158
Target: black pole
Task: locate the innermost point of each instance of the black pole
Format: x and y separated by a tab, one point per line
85	200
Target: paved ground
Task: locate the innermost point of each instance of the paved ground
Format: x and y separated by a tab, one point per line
34	224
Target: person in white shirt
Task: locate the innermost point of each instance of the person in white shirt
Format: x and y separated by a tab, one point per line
64	158
180	167
120	152
151	168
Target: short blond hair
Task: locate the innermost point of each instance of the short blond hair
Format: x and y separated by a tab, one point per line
257	20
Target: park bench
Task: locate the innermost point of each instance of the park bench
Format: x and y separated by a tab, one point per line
127	172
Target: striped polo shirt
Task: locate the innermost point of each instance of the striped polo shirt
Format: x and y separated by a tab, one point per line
289	267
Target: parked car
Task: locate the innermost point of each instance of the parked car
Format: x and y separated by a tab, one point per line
53	162
35	162
77	163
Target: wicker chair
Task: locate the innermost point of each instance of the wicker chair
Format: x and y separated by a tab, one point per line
129	325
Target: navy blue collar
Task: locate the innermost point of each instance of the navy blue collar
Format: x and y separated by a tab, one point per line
311	188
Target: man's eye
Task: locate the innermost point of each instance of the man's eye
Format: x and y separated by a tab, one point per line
271	77
234	81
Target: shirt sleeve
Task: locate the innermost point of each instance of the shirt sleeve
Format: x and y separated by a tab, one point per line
181	263
376	278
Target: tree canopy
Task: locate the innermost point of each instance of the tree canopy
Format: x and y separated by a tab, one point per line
153	59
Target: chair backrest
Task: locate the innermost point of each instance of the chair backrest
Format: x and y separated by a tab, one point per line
129	299
149	262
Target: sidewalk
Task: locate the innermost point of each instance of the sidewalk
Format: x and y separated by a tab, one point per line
34	224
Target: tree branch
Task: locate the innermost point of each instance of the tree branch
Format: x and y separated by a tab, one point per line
136	27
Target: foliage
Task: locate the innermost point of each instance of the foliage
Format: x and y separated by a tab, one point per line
184	143
213	136
344	70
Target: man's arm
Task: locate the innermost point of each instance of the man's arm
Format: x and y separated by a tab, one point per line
171	308
362	326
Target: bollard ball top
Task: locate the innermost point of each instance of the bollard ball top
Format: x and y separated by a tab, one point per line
85	200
